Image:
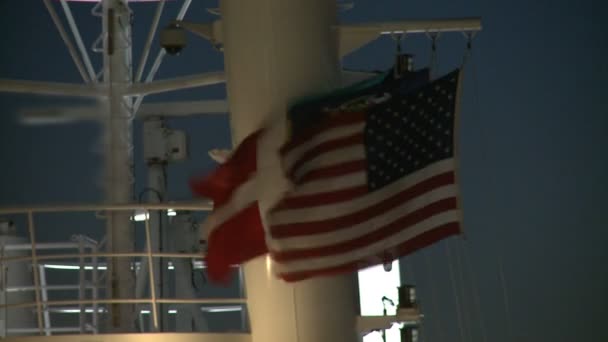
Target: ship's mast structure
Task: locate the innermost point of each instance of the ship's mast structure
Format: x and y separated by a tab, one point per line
274	51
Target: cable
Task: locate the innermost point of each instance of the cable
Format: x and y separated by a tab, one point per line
476	295
503	283
434	305
455	291
434	63
466	313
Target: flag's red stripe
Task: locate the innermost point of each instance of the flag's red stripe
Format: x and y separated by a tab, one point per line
333	171
340	119
226	178
355	139
385	232
235	241
324	198
342	222
421	241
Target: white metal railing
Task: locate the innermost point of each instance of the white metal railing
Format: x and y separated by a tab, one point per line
87	255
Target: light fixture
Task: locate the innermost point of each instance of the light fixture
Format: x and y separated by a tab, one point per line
214	309
140	215
71	267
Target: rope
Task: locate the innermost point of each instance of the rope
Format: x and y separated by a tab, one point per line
434	305
455	291
433	63
503	283
476	295
468	319
468	58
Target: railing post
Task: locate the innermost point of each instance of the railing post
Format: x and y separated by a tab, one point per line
30	225
95	290
3	289
82	284
45	299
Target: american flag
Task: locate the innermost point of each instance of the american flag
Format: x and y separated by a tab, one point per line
369	186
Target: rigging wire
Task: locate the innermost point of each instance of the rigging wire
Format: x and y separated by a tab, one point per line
434	62
455	291
433	298
467	319
469	59
503	284
476	295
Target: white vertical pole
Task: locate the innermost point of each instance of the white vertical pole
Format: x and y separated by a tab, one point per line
45	298
118	144
35	269
82	284
276	51
95	291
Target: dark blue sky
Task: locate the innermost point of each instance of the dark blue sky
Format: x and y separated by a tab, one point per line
533	134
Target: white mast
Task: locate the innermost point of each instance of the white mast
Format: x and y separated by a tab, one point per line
118	118
276	51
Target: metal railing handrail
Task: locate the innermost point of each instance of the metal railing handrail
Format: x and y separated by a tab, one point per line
129	301
88	250
103	255
192	206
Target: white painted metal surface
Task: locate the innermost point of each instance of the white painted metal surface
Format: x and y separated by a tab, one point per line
276	51
119	155
12	276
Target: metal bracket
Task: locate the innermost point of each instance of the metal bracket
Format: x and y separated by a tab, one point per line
354	36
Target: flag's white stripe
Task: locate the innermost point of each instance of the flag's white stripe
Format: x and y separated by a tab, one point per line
334	210
368	251
331	184
370	225
242	198
335	133
331	158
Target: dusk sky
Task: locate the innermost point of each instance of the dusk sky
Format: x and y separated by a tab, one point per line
534	129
